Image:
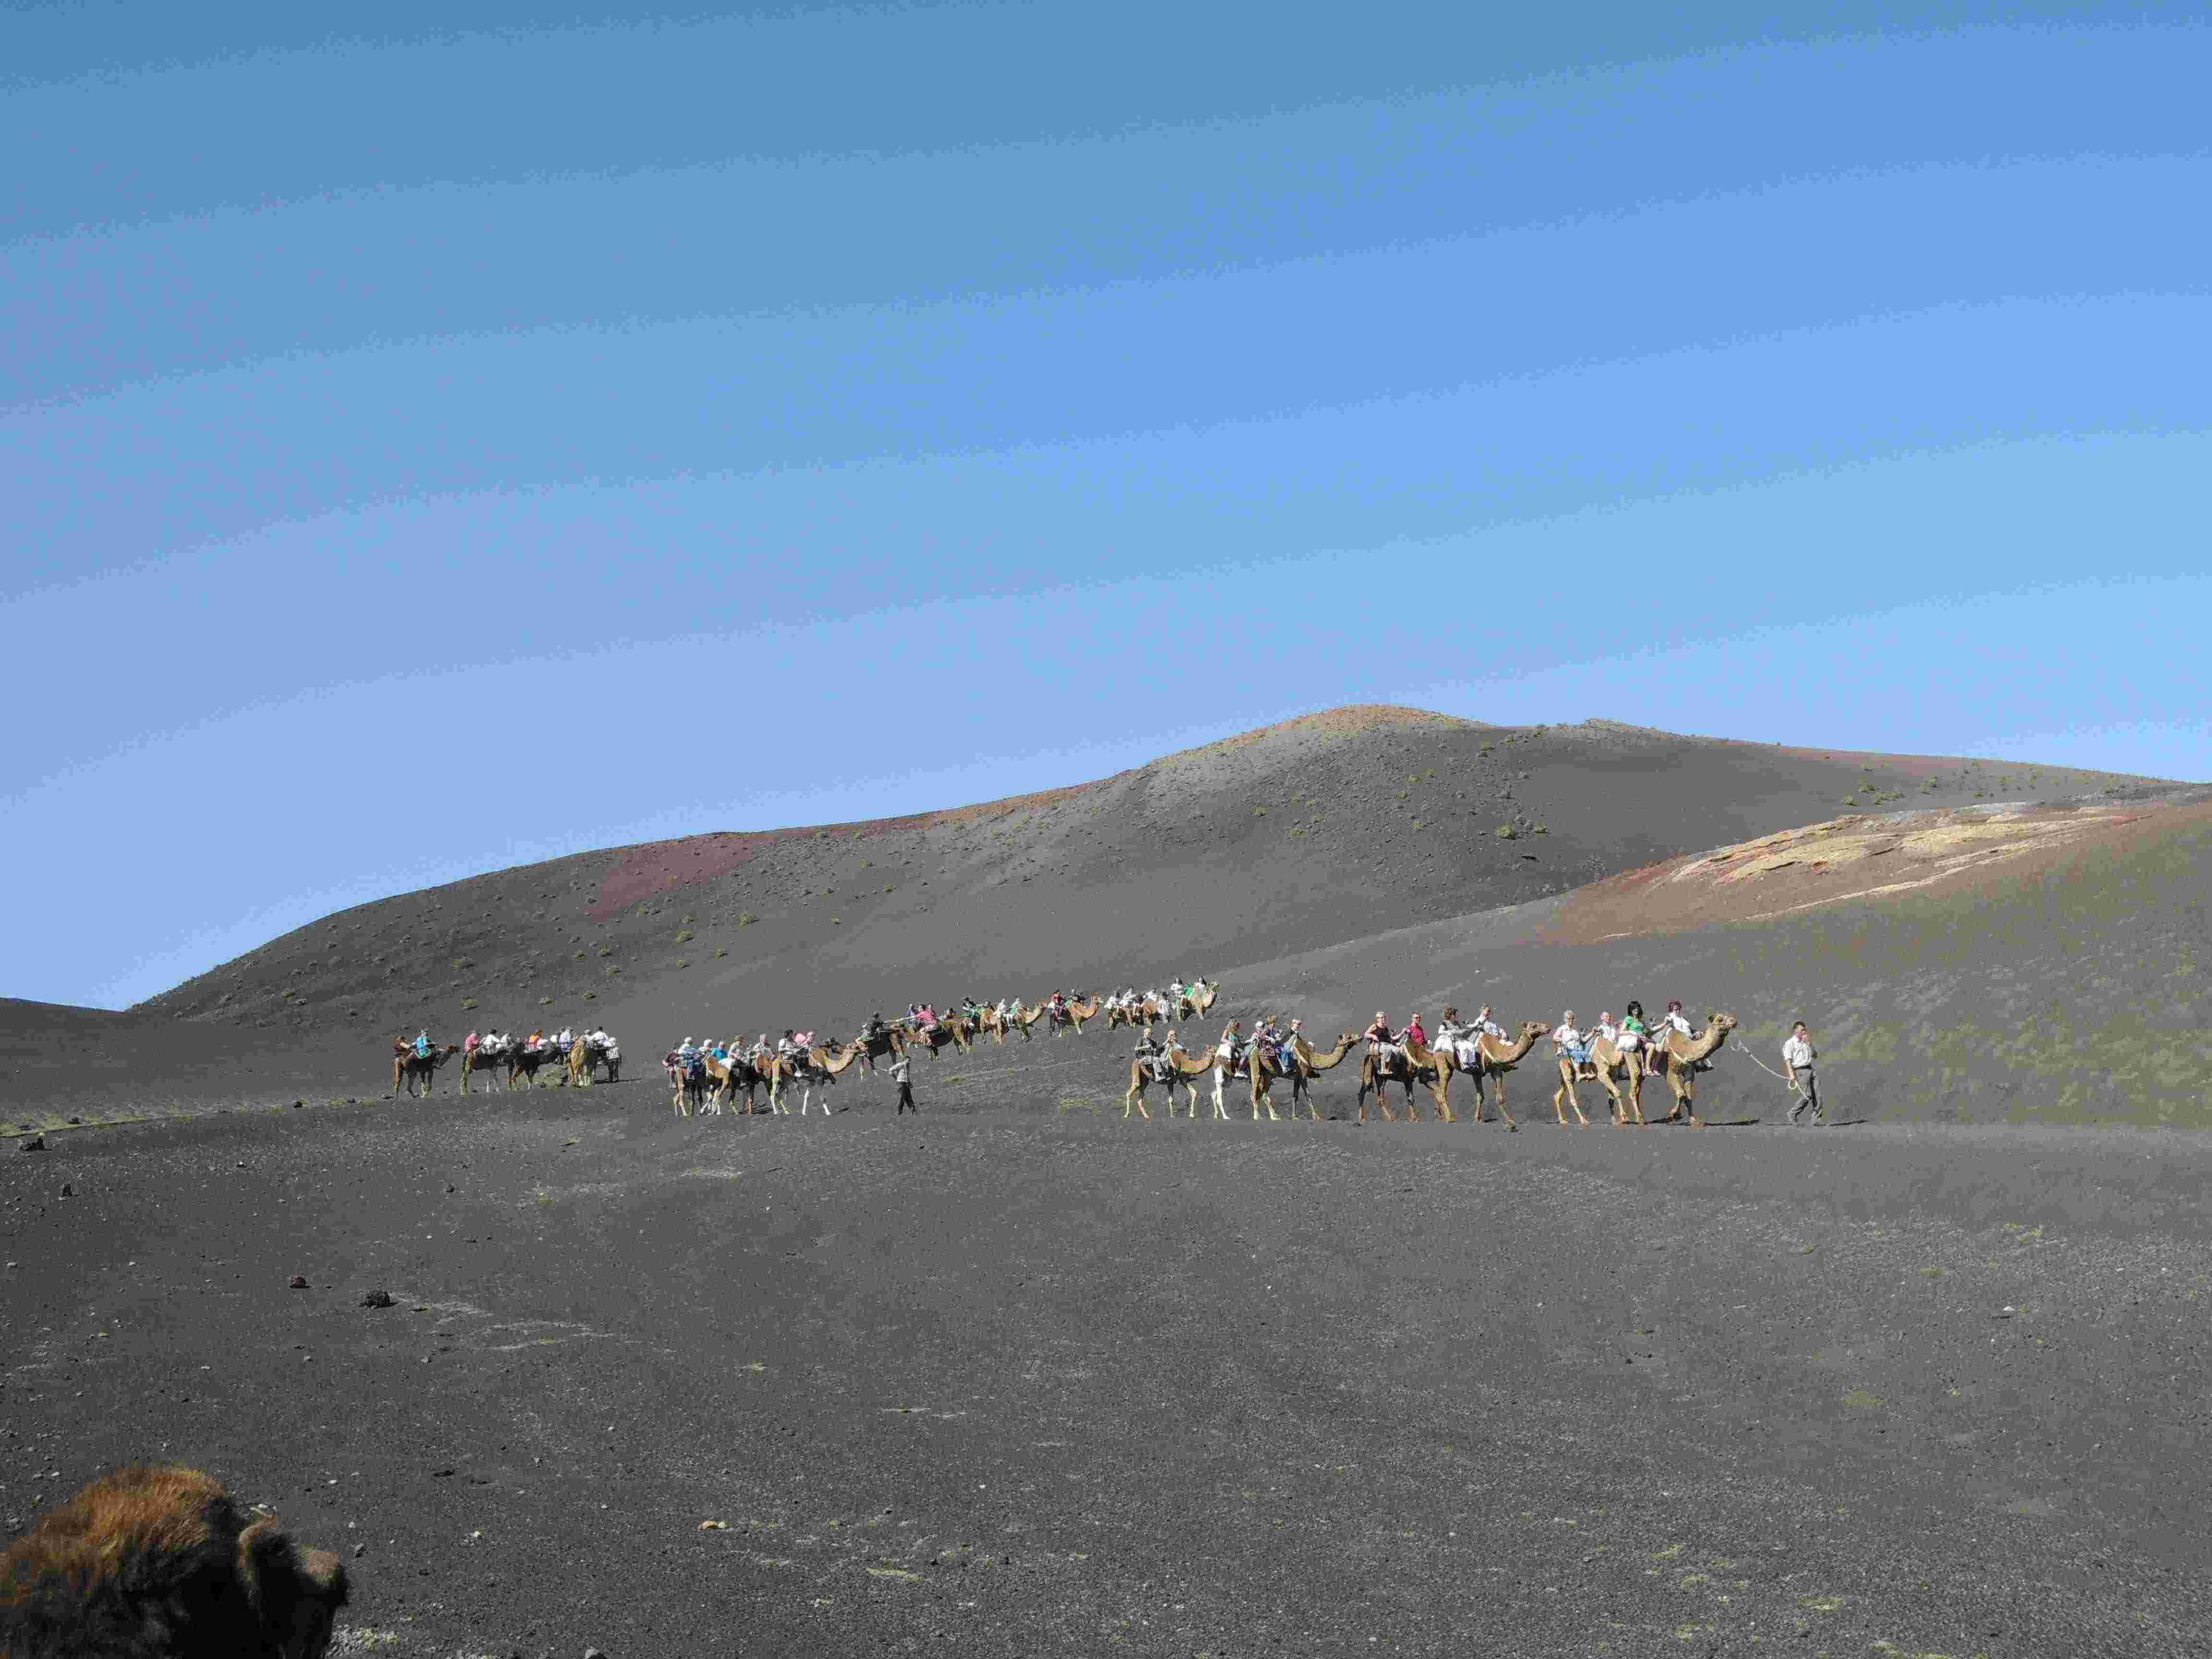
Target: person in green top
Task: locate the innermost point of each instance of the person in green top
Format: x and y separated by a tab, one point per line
1632	1026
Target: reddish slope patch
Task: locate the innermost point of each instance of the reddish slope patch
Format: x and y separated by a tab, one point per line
653	866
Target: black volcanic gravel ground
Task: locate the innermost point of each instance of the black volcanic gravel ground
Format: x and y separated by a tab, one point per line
1020	1379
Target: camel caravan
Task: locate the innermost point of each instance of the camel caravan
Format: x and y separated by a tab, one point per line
574	1058
1618	1057
707	1076
1273	1062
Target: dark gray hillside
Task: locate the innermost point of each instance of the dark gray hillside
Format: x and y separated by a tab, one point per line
1335	826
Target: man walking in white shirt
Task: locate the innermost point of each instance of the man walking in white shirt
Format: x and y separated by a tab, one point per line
902	1074
1797	1053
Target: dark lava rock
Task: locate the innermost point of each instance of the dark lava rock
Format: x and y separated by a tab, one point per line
296	1283
34	1142
377	1299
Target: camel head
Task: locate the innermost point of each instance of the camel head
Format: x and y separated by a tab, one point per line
146	1549
1723	1022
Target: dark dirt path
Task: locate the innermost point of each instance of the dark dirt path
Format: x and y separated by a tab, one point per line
1013	1380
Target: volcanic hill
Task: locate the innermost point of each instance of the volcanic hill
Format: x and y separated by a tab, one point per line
1332	827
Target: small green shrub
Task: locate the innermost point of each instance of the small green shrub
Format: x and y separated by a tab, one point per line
746	918
545	1002
720	951
1259	811
684	936
580	956
611	969
591	996
468	1002
1507	832
680	963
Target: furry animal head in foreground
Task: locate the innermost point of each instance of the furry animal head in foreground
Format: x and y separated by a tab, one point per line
162	1563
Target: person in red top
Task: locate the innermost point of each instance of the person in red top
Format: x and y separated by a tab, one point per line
1414	1036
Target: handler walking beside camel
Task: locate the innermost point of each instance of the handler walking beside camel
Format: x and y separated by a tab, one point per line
1798	1054
902	1074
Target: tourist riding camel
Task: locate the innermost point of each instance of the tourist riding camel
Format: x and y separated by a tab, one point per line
1679	1057
1294	1059
1617	1062
807	1066
878	1037
1162	1062
417	1062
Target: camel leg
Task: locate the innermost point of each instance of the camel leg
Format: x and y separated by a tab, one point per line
1220	1111
1136	1097
1503	1116
1567	1091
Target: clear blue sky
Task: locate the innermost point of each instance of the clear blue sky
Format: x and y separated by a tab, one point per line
812	414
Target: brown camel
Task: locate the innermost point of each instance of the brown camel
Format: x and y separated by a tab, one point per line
583	1061
691	1085
950	1029
816	1065
1611	1066
1675	1057
1413	1064
407	1067
1016	1018
526	1062
1495	1057
1307	1067
1190	1005
162	1563
1072	1013
1186	1069
477	1060
889	1042
1143	1012
738	1072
